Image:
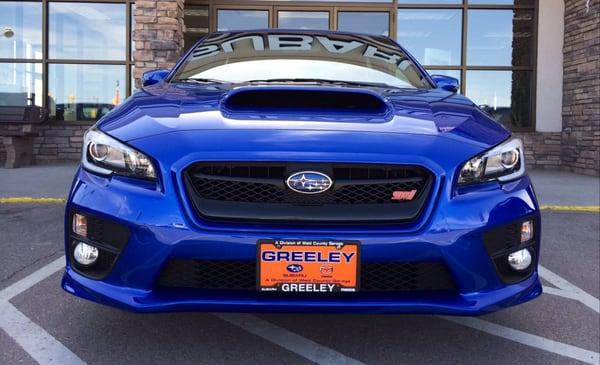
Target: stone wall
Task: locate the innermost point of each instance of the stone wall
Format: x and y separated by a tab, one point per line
57	142
158	34
581	98
542	150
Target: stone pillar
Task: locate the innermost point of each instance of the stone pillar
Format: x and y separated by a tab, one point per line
158	34
581	87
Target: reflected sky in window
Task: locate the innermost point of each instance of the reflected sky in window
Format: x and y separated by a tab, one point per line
24	19
84	92
432	36
364	22
499	37
87	31
303	19
505	95
242	19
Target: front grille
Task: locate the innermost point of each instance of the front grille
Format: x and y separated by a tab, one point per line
257	192
241	275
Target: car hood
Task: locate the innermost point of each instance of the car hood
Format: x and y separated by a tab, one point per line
167	108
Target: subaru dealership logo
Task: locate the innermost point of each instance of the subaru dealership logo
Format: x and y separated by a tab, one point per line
295	268
309	182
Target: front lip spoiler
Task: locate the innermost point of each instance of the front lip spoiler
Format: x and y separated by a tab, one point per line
142	301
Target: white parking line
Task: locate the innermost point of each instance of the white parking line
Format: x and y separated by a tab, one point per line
528	339
38	343
288	340
573	291
45	349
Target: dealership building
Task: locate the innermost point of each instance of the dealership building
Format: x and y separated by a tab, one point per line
531	64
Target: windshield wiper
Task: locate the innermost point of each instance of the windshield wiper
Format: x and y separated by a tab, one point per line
202	80
323	81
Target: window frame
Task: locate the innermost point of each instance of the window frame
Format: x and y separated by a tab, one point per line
464	67
272	6
45	61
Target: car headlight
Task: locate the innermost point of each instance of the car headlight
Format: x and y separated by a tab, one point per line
105	155
503	163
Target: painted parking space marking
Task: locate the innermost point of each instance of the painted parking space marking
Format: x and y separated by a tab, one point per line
572	208
559	348
45	349
569	290
31	200
37	342
288	340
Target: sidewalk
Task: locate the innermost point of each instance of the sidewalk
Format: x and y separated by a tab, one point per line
53	181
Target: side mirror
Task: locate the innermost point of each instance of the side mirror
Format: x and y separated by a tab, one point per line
446	83
154	76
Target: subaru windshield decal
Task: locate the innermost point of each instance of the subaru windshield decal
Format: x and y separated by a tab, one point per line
309	182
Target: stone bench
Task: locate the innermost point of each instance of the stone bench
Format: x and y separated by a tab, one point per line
19	146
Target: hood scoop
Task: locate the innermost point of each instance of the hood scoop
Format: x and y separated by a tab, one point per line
306	103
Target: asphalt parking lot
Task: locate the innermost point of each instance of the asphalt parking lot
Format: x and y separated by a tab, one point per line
41	323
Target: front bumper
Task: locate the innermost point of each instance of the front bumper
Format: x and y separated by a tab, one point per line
161	229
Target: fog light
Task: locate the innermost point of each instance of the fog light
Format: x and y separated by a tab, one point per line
85	254
526	231
520	260
80	224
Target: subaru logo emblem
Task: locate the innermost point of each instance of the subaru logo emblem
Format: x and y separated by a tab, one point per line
309	182
295	268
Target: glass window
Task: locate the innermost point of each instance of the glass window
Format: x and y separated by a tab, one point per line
303	19
500	37
502	2
430	1
364	22
132	29
84	92
242	19
505	95
20	92
195	18
87	31
21	26
432	36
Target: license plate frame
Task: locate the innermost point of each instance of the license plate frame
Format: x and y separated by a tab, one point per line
322	266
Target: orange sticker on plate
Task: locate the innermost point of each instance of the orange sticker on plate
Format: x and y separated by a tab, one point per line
308	266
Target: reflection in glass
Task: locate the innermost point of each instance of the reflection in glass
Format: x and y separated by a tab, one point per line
432	36
132	30
505	95
451	73
87	31
430	1
500	37
84	92
242	19
502	2
364	22
20	92
195	18
303	19
21	26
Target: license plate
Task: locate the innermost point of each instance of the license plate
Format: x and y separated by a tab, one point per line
308	266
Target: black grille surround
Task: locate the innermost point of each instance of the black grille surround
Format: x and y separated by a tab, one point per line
256	192
241	276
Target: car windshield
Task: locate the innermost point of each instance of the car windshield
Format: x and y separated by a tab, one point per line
302	58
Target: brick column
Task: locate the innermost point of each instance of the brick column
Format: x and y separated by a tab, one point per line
581	92
158	34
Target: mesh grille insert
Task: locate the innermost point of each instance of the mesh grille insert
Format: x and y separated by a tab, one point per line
358	194
241	275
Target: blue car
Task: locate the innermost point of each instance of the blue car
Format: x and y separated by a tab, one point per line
301	171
